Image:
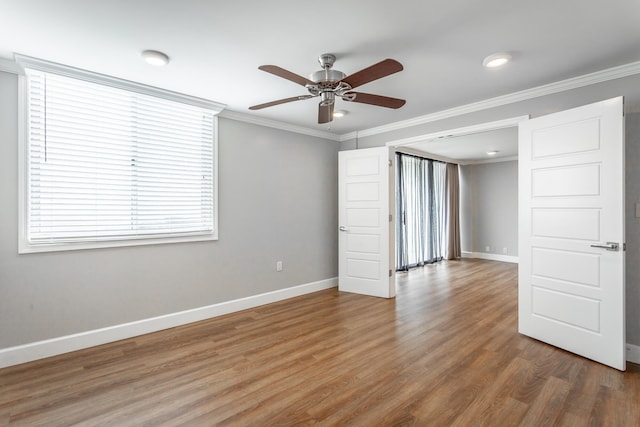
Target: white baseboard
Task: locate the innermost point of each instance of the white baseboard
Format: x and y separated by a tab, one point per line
55	346
633	353
490	257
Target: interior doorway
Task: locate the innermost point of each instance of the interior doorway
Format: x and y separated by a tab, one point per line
487	158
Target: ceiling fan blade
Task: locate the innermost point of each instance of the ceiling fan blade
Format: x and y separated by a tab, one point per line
374	72
379	100
285	74
280	101
325	113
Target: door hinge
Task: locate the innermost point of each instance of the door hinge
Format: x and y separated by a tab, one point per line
390	164
389	272
390	218
624	246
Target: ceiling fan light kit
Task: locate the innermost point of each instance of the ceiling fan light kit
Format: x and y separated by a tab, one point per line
329	83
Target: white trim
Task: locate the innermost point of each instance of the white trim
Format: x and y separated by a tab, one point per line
467	254
493	160
490	257
549	89
247	118
466	130
426	155
405	143
633	353
8	66
24	247
523	95
348	136
90	76
55	346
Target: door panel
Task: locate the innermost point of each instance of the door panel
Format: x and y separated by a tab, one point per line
572	224
571	191
365	232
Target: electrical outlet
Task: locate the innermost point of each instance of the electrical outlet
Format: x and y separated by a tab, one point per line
278	265
504	251
487	248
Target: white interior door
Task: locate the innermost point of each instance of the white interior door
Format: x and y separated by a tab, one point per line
571	239
365	232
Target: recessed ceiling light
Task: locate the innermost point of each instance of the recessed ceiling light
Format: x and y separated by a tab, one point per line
496	60
492	153
339	113
154	57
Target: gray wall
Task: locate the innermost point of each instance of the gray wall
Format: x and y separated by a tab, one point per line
278	201
489	208
632	226
466	208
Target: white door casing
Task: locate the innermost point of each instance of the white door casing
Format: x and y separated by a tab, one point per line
366	234
571	198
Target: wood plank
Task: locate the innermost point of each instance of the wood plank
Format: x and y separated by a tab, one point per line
444	352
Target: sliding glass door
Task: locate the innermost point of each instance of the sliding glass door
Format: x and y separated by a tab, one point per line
423	209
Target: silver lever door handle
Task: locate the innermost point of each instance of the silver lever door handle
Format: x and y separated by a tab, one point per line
610	246
343	228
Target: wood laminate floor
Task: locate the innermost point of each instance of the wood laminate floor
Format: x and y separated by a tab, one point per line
445	352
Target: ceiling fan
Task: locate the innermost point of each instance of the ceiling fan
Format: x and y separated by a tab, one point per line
328	83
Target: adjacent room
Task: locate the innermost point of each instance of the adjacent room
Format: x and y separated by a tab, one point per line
200	219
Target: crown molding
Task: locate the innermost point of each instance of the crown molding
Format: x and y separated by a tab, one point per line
247	118
548	89
430	156
9	66
404	145
485	161
23	61
348	136
467	130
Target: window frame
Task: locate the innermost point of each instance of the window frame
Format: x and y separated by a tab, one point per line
24	245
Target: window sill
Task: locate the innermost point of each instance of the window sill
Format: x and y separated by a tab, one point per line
27	248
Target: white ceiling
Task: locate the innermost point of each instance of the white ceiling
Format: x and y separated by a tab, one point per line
474	147
216	47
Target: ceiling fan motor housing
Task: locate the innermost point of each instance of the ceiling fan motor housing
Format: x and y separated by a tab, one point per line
328	81
327	76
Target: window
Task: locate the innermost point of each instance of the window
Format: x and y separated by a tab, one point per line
112	163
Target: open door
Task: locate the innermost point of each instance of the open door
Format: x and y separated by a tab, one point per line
571	221
365	260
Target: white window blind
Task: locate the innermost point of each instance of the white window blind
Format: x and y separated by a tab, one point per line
108	164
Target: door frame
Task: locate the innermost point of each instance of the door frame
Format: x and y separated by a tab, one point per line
461	131
406	143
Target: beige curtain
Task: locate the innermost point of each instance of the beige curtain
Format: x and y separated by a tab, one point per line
452	208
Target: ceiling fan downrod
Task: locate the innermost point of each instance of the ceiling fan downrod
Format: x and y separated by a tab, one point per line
329	82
